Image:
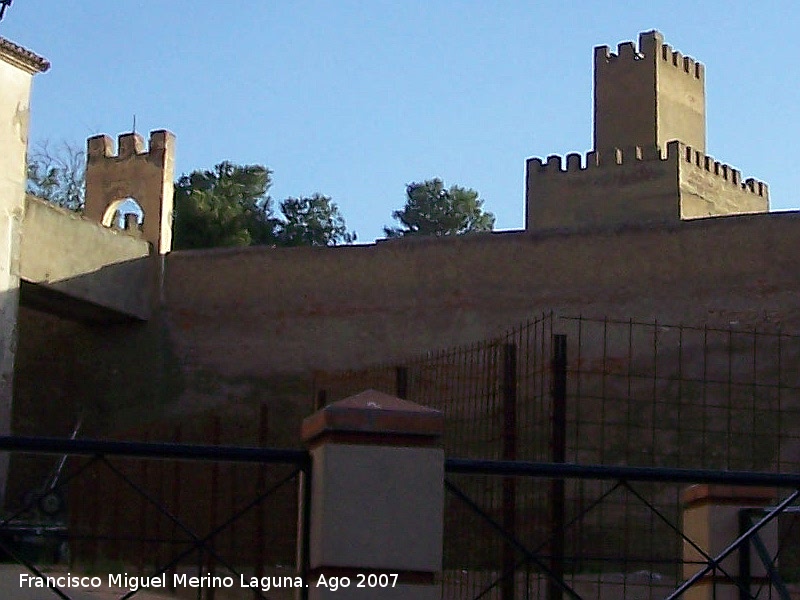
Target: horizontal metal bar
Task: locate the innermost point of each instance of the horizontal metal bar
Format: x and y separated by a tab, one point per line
87	447
574	471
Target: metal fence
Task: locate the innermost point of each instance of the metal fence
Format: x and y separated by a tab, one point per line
597	391
170	510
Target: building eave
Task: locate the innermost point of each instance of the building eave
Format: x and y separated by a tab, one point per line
22	58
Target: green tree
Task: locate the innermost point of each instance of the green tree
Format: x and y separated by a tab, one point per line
57	173
227	206
312	221
432	209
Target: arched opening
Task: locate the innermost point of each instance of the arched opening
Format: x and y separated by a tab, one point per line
124	214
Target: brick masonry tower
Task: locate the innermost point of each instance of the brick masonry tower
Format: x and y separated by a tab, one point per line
648	97
649	163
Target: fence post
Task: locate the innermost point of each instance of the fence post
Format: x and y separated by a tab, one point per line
712	517
377	499
508	588
402	382
558	393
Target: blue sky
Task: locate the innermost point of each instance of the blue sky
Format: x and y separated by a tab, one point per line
357	99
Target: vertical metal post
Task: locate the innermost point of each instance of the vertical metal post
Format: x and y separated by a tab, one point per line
214	508
143	506
261	485
303	528
558	393
320	400
745	523
508	588
402	382
176	505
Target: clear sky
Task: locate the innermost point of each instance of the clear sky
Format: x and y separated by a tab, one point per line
357	99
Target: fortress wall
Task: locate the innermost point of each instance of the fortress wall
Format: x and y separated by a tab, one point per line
259	311
631	185
710	188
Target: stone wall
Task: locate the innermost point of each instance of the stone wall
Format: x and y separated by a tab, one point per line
257	311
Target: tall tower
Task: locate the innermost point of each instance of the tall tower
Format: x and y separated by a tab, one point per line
649	162
648	97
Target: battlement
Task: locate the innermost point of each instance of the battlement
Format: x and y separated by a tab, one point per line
677	151
576	162
720	170
651	46
128	144
689	65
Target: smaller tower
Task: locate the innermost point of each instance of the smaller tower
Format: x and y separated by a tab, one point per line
145	176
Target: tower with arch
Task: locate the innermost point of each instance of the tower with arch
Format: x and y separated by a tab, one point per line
133	173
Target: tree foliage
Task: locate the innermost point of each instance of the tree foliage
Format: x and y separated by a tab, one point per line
432	209
227	206
230	206
57	173
312	221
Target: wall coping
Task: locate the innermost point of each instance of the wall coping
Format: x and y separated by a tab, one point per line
374	416
727	494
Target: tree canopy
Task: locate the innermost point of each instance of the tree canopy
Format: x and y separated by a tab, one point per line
57	173
226	206
312	221
230	206
432	209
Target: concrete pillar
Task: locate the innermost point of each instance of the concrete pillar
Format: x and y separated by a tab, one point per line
17	67
377	499
711	520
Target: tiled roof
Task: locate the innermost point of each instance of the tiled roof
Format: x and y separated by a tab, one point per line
26	58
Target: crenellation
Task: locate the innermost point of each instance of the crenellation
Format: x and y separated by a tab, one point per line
723	171
574	162
535	165
129	144
99	146
602	54
687	64
553	164
160	139
756	187
699	70
627	50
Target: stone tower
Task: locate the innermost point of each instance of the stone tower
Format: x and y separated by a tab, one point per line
648	97
145	176
649	163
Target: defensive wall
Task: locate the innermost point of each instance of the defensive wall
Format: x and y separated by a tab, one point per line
636	185
272	310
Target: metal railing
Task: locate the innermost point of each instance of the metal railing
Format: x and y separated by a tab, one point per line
150	530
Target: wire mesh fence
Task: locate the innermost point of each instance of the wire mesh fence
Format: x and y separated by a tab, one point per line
634	393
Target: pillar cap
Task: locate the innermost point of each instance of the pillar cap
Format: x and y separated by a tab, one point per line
705	493
374	415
